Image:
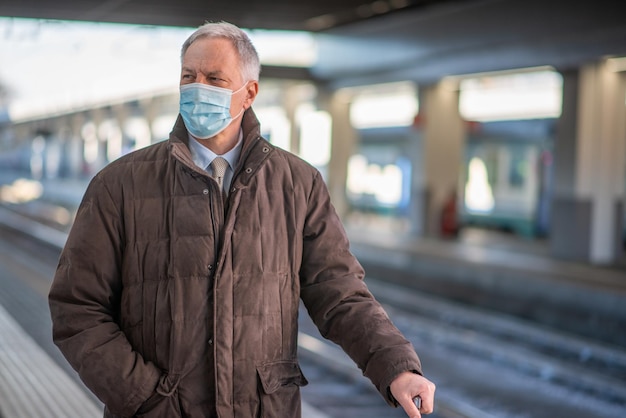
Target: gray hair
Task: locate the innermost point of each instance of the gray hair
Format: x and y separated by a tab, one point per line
250	64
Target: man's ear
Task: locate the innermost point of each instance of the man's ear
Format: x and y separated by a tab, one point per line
252	89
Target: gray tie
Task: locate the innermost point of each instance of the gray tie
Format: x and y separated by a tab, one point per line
219	166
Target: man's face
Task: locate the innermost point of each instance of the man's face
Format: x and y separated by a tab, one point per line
215	62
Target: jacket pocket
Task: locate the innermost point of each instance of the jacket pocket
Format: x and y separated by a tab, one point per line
159	406
280	384
164	402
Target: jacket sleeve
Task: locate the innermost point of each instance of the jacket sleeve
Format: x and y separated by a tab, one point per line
338	301
84	301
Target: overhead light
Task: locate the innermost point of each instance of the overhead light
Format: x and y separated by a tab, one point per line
321	22
616	64
520	95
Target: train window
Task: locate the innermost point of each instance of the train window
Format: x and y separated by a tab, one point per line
478	189
518	167
376	185
490	158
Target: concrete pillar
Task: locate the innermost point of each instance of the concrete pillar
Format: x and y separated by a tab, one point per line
55	144
291	99
441	149
94	147
75	155
590	162
116	139
149	109
419	201
343	145
160	114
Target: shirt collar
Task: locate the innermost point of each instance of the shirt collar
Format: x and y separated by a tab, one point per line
202	156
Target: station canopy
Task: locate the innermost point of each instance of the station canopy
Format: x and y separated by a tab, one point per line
364	41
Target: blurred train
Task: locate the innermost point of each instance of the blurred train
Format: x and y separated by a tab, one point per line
505	181
379	174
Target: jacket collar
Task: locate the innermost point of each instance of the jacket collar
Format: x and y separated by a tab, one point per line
255	149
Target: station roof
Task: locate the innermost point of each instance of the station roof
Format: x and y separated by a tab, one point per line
362	41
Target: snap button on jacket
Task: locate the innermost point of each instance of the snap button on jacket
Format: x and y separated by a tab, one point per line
134	305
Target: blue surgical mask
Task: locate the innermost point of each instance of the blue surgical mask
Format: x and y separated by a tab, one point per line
205	109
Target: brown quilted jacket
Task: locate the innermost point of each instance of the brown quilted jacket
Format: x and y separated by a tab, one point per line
130	299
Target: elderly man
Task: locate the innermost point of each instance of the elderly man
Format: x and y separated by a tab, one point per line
177	292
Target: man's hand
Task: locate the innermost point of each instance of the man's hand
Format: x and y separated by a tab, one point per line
407	386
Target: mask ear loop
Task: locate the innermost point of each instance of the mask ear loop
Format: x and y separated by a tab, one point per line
240	88
237	91
238	114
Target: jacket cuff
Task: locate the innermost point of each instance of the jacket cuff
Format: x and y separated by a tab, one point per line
384	386
388	396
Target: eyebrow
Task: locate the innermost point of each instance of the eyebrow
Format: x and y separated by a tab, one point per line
208	74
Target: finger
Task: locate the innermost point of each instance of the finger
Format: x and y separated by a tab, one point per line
410	408
426	404
427	398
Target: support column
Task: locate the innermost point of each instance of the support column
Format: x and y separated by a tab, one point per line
441	152
75	153
291	100
116	139
94	148
590	165
343	144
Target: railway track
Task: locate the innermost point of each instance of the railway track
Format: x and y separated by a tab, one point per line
484	364
490	365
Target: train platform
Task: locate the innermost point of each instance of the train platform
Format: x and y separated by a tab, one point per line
32	384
